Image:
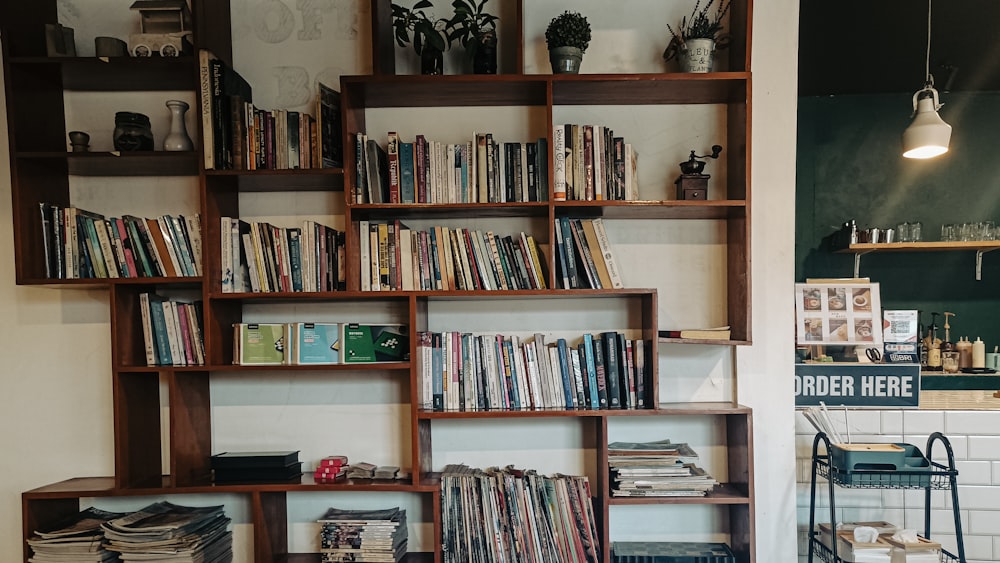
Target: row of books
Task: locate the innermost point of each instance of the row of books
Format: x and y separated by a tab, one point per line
241	136
363	535
516	515
444	258
467	372
259	257
591	163
83	244
483	170
584	257
303	343
172	331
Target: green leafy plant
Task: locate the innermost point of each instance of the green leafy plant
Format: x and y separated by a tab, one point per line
472	26
568	29
428	33
703	23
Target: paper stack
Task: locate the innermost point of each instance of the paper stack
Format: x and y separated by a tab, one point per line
373	536
169	533
77	539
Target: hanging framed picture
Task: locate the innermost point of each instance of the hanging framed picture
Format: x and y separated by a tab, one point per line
838	314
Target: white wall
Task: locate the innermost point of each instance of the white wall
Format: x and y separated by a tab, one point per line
58	410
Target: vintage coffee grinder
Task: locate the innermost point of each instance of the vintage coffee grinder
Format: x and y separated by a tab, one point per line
692	183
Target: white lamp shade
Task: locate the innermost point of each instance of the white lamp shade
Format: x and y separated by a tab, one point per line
928	135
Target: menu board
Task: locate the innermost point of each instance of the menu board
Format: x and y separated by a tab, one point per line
845	314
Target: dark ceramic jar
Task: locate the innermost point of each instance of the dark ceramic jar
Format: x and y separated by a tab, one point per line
132	132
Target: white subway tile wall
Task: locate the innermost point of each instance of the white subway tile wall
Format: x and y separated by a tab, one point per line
975	441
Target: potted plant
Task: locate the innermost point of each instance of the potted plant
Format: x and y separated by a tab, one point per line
429	38
567	37
697	38
476	31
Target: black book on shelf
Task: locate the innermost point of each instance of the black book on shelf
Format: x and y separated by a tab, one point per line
244	460
289	472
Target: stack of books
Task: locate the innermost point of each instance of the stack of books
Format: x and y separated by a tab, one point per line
656	469
84	244
78	539
330	469
363	535
168	532
256	467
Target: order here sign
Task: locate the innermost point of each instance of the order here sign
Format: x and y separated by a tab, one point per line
858	385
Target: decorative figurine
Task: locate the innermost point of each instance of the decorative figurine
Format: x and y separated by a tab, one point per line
692	183
132	132
165	26
80	141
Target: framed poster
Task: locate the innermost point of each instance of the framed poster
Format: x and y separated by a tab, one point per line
845	314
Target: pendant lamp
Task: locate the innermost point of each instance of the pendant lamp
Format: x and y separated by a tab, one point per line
928	135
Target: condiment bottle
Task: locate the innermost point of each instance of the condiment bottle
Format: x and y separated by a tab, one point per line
964	348
978	353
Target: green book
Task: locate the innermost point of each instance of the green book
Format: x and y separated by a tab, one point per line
259	344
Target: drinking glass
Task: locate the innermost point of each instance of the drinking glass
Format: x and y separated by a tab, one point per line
903	232
915	229
948	233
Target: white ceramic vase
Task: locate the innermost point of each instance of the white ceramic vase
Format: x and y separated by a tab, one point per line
177	139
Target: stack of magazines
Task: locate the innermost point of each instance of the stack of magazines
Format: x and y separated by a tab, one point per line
168	533
656	469
78	539
374	536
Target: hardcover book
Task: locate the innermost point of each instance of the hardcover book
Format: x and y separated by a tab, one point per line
364	343
259	344
315	343
263	459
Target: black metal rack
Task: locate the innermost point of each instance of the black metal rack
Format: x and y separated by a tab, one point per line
939	477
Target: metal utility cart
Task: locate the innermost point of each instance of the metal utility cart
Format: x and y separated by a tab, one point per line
936	476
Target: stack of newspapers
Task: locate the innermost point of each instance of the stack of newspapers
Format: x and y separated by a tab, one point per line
656	469
373	536
78	539
168	533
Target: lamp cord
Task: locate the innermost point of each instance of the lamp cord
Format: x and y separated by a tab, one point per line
929	81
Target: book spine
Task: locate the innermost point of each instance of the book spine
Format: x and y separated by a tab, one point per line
578	361
406	173
392	150
295	257
207	123
425	366
583	252
159	323
614	272
640	374
571	400
559	162
612	369
147	330
568	252
591	351
601	373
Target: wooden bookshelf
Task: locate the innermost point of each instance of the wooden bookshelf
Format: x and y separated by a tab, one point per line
41	169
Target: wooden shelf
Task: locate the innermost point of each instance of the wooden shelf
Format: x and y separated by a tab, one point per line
664	409
373	366
412	557
434	210
105	486
644	89
139	163
669	209
89	283
118	74
284	180
705	341
436	91
937	246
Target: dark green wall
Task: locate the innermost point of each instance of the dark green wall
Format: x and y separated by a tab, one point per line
849	166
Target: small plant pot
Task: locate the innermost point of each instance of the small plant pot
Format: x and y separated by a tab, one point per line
697	55
485	59
431	62
565	60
